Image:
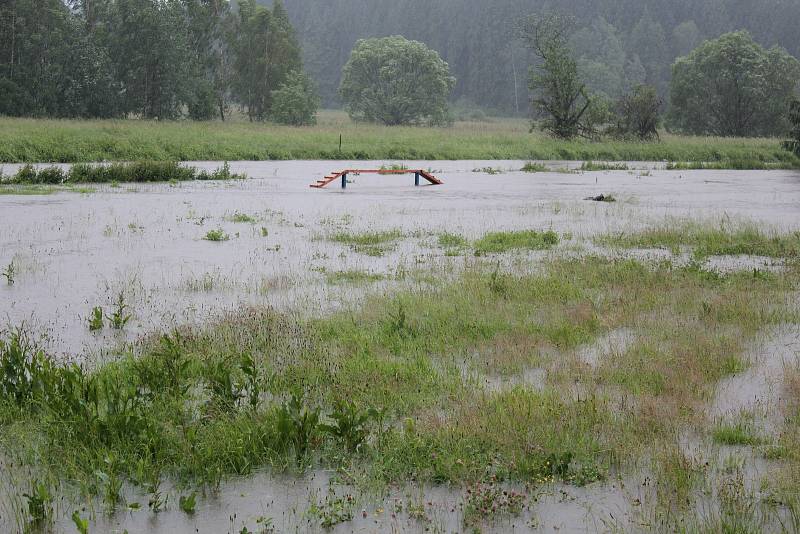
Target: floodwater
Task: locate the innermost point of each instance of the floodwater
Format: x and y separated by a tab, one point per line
75	251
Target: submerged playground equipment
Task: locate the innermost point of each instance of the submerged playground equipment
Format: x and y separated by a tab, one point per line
343	175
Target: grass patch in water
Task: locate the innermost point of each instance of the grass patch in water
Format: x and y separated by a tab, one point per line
369	243
737	433
141	171
707	240
353	277
496	242
239	217
589	166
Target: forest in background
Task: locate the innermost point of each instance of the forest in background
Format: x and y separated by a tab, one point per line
619	43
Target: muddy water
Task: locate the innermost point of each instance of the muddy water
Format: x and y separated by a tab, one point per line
76	251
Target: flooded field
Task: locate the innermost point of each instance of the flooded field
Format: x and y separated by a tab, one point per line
76	251
153	258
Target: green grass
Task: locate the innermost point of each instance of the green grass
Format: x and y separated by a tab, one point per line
30	140
448	240
142	171
739	433
496	242
181	406
353	277
595	166
708	240
535	167
239	217
216	235
369	243
379	390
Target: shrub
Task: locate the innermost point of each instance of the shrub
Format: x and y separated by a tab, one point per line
296	102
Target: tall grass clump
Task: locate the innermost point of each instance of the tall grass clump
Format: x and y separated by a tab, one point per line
496	242
709	240
142	171
369	243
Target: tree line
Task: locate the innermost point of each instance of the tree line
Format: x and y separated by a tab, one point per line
618	44
153	59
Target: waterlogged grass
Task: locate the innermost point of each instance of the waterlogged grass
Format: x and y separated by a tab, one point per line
496	242
535	167
369	243
738	433
448	240
239	217
30	140
216	235
7	189
353	277
588	166
382	391
394	354
708	240
143	171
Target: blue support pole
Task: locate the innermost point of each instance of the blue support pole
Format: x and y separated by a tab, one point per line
416	178
344	181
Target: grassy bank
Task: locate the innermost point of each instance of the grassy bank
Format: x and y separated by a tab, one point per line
396	389
27	140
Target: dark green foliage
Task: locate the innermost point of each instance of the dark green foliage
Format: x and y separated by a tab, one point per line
296	102
395	81
350	424
265	51
40	505
732	86
638	114
21	368
620	43
793	144
141	58
297	425
143	171
202	105
187	503
560	97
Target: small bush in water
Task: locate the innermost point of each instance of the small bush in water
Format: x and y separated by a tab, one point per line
216	235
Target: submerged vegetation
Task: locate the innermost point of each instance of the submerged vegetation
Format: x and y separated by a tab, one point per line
390	391
495	242
258	388
143	171
706	240
369	243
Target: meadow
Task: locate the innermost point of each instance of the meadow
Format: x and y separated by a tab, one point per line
67	141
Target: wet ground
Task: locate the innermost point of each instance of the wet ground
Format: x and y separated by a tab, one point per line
76	251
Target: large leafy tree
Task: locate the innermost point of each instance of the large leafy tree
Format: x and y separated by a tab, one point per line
49	65
732	86
395	81
560	97
265	52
